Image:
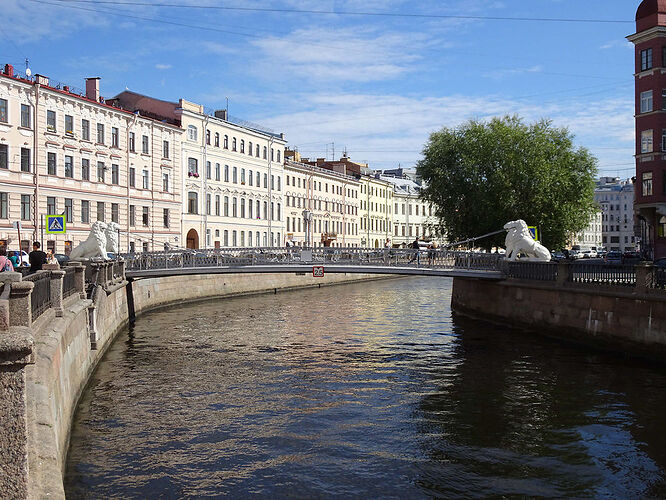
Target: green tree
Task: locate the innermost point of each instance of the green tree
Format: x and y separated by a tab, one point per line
481	175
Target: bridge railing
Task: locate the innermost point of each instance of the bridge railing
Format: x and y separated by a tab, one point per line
610	274
536	271
385	257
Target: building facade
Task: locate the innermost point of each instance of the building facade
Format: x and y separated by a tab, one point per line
615	199
322	206
591	236
650	94
376	211
70	153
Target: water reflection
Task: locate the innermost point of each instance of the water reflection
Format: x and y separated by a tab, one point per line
369	390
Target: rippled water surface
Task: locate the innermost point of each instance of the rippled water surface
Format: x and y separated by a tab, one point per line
361	391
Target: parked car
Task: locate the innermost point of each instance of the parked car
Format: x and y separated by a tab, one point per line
575	254
25	260
630	257
613	257
557	256
61	258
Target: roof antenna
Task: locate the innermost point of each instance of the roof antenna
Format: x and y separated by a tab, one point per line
28	73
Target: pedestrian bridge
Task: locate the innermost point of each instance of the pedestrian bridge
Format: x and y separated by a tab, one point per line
317	261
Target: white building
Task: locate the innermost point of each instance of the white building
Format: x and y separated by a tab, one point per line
592	235
616	201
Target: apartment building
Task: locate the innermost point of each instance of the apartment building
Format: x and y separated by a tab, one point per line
69	152
592	235
232	177
322	205
412	216
615	199
376	211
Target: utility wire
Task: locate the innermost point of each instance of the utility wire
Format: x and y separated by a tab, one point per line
350	13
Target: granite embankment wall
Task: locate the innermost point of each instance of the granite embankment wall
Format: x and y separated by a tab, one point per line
620	319
68	348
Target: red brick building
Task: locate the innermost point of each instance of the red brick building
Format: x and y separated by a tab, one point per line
650	74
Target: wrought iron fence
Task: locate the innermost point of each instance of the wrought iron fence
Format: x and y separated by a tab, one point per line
40	298
386	257
536	271
68	282
610	274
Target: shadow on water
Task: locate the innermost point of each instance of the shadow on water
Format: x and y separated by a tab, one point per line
361	391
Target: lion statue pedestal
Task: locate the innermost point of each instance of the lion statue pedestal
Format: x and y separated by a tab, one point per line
520	241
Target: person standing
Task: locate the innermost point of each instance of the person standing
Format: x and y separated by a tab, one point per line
37	258
5	263
15	259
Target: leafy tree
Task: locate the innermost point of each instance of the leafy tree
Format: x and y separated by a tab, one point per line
483	174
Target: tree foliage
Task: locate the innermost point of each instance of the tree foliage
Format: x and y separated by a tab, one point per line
483	174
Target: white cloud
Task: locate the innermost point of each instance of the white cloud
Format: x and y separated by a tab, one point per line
163	66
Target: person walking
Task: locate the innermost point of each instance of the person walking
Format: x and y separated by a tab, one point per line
5	263
415	246
37	258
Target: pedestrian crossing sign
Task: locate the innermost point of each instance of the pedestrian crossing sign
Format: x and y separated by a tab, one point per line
534	232
55	224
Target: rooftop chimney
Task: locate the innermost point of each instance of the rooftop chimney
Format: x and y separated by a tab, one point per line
92	88
221	114
41	79
9	70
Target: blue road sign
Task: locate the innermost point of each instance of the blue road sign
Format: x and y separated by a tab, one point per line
55	224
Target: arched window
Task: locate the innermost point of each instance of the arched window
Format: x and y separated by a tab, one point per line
191	133
242	146
250	177
249	148
249	238
257	155
242	208
208	137
250	210
226	142
235	175
217	139
272	154
226	173
234	207
226	238
233	144
265	153
278	156
217	204
226	207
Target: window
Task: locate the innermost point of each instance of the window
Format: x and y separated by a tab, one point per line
226	206
85	169
85	130
85	211
132	142
144	144
646	59
242	208
279	179
165	182
250	177
266	210
258	179
272	154
25	116
208	137
192	203
226	142
234	207
69	125
132	215
69	166
193	167
242	176
69	210
250	206
226	173
114	137
265	153
249	148
145	216
100	171
272	182
51	163
235	175
242	146
4	156
646	101
165	149
226	238
115	174
209	172
25	160
234	238
233	144
265	181
208	204
115	216
191	133
165	217
25	207
100	133
4	206
217	205
132	177
51	121
3	110
258	214
257	149
217	139
646	141
278	156
217	171
647	184
146	182
100	211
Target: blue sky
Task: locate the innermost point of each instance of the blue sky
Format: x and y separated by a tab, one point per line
374	85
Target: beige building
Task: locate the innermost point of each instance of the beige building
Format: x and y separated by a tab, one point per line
62	152
232	177
376	211
322	206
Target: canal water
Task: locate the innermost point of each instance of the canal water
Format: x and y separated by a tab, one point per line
361	391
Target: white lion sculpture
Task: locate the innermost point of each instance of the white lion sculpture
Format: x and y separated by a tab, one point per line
112	237
519	240
95	246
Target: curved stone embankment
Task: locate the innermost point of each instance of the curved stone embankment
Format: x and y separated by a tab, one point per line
68	348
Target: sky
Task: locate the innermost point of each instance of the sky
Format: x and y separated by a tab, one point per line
371	77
